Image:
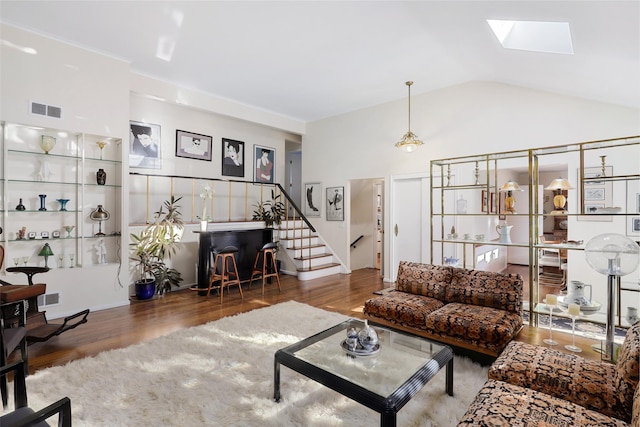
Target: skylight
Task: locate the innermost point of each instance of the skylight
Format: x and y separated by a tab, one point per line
549	37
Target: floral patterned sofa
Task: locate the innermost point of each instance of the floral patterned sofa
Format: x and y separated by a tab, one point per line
470	309
536	386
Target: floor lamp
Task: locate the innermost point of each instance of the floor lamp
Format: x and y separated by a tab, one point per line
614	255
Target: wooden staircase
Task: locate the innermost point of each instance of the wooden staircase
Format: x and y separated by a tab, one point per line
308	252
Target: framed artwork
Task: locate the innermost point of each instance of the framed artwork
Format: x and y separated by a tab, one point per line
597	194
264	170
335	203
232	157
144	145
493	203
485	201
591	194
633	207
633	226
193	145
313	199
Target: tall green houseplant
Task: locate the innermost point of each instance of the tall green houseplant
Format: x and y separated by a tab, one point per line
270	211
156	244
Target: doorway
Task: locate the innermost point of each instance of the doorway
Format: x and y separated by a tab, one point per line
293	170
366	224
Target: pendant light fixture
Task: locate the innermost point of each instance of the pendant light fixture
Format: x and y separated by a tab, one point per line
409	141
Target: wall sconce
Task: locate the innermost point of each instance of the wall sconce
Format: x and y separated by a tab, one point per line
46	252
559	185
509	202
99	215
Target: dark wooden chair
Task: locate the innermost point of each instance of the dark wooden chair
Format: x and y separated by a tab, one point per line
12	338
38	328
23	415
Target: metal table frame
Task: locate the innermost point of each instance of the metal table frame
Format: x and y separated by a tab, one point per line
387	406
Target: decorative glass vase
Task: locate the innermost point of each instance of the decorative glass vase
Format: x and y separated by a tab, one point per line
42	201
101	177
63	204
47	143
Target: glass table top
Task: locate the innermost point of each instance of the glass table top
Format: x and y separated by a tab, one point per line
399	358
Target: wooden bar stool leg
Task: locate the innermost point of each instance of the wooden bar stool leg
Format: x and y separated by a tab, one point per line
275	273
237	278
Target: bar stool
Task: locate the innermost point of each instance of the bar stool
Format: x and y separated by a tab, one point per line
228	276
268	258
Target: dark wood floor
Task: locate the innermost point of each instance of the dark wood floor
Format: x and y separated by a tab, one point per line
142	321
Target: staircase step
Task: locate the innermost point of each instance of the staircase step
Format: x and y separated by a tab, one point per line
318	271
303	247
316	256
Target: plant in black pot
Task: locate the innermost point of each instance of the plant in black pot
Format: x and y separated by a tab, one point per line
270	211
153	246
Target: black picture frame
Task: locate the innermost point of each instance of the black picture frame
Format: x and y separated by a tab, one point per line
313	199
232	158
264	160
335	203
148	152
193	145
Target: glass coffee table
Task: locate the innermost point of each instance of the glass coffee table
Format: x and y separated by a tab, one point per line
384	381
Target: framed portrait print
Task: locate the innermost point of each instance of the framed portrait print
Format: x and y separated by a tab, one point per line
335	203
485	201
193	145
313	199
264	161
232	157
144	145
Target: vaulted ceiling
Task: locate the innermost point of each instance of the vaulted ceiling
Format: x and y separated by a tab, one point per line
314	59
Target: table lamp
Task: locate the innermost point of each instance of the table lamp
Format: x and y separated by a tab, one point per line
509	202
46	252
559	185
99	214
614	255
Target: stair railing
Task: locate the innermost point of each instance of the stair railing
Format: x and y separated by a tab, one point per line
232	199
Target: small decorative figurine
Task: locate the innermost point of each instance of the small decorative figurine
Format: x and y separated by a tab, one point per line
20	206
22	233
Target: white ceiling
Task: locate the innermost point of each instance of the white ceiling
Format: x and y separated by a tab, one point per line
314	59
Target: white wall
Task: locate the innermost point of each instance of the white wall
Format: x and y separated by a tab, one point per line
93	92
99	95
471	118
172	117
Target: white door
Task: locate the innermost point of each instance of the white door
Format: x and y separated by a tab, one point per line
409	221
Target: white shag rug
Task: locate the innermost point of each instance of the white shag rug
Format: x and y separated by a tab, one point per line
221	374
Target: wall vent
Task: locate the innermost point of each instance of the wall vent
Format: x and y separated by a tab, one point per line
48	299
46	110
40	109
54	111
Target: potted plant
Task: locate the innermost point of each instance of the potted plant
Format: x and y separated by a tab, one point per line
155	244
206	195
270	211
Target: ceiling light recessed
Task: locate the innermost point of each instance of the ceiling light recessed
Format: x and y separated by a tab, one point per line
535	36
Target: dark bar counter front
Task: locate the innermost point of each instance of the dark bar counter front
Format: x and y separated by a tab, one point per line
248	242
